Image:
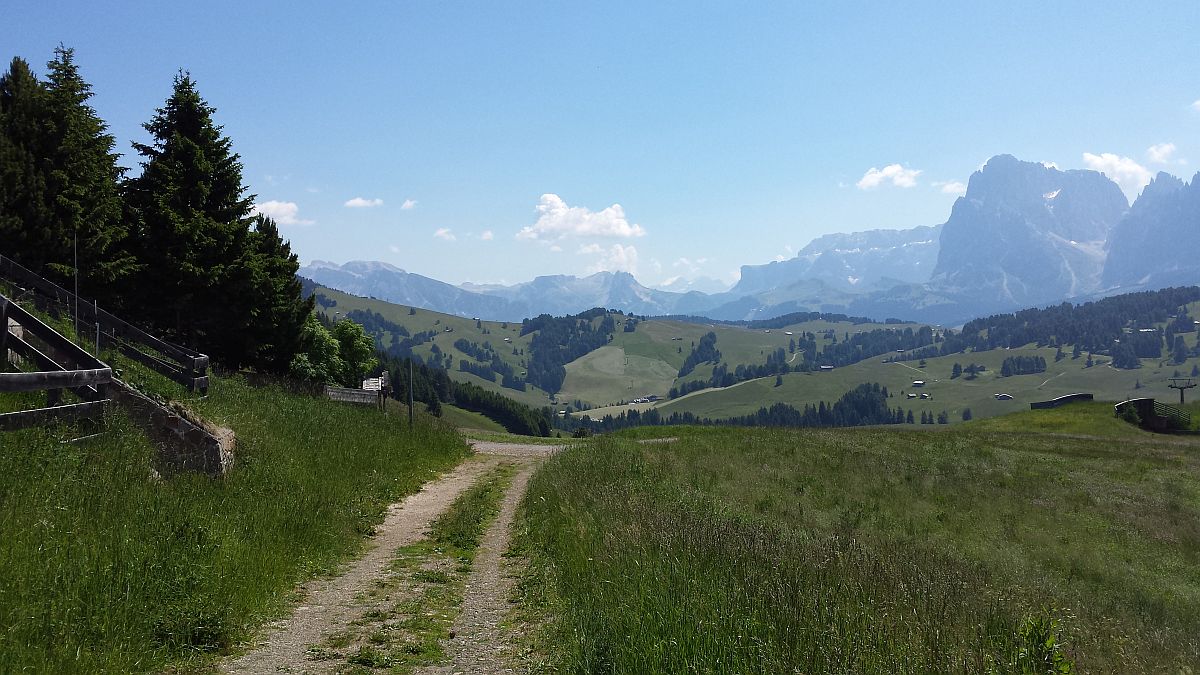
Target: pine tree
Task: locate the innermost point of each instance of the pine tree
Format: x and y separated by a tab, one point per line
192	219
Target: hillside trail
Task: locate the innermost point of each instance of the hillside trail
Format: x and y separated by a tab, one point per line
480	643
329	606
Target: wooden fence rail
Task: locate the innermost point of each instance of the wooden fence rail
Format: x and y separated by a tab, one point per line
64	366
1156	415
185	366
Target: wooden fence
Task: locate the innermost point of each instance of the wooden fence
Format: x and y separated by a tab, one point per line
357	396
1155	415
374	392
62	365
185	366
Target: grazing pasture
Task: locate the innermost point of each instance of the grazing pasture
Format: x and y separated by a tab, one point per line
1006	546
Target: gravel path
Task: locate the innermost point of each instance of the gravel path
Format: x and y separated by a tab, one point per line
330	604
481	644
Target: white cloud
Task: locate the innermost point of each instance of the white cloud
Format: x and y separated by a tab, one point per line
951	187
1160	153
444	233
589	249
556	220
284	213
1196	105
487	235
408	205
360	203
692	265
617	258
1050	165
1123	171
898	175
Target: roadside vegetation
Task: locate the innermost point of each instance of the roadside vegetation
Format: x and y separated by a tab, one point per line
979	549
105	568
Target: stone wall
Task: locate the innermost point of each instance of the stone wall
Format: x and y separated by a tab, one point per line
184	442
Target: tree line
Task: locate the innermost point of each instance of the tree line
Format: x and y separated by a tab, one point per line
177	248
865	404
561	340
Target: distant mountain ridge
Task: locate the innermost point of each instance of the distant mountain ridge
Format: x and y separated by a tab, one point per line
1157	243
1024	234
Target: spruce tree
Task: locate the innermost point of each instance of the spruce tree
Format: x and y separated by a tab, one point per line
26	224
191	215
282	310
84	184
60	201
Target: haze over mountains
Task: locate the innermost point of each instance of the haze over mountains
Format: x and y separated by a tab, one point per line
1024	234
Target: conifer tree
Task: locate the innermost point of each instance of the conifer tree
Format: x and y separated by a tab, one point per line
83	184
60	199
277	327
191	215
26	229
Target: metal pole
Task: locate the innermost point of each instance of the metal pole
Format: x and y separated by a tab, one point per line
75	247
410	393
3	334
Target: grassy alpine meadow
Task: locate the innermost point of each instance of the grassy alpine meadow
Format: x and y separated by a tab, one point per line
106	568
1006	547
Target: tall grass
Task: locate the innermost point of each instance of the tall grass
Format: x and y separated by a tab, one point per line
868	551
106	569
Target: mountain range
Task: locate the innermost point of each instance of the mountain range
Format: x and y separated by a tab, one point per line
1024	234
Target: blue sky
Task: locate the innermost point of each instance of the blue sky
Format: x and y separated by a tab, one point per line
493	142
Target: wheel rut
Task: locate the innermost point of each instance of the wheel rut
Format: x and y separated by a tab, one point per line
333	608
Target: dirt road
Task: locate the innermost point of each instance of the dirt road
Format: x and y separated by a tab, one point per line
331	606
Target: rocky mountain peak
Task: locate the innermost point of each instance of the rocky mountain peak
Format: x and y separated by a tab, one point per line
1027	233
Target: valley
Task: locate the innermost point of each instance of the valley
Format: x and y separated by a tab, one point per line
645	362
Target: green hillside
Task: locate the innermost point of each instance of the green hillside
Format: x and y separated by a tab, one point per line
952	395
422	320
645	362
